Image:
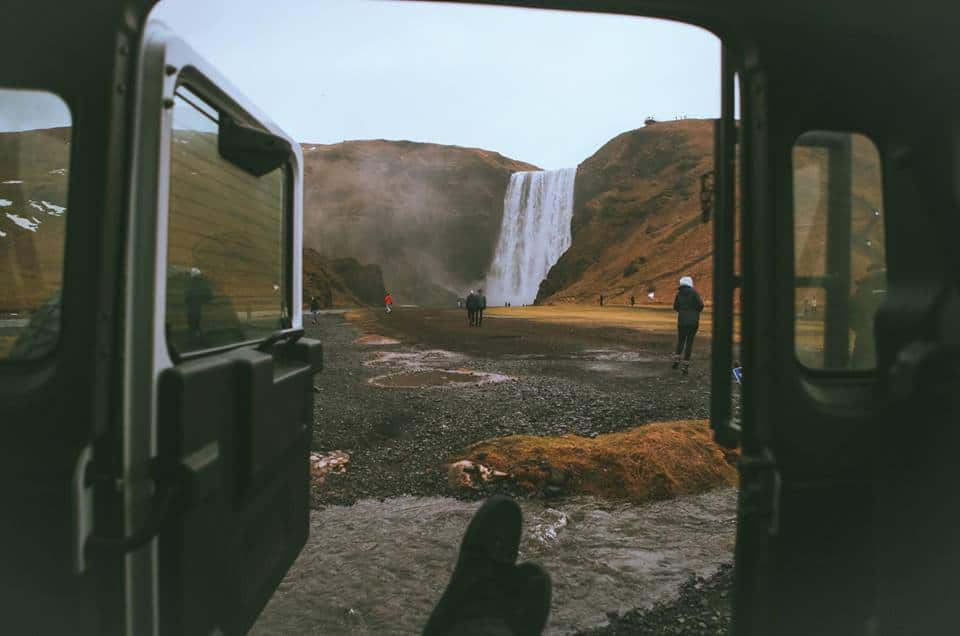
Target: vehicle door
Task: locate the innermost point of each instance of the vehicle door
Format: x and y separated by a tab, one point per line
219	406
846	314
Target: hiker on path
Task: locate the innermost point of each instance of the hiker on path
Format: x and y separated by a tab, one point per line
473	303
688	306
481	305
314	307
633	301
388	303
601	300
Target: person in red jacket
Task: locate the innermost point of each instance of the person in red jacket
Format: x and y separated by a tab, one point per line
388	302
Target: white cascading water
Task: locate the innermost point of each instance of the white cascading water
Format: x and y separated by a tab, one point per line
535	232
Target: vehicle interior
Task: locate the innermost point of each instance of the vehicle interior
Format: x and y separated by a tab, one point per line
155	478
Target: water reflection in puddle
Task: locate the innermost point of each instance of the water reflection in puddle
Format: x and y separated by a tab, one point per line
378	567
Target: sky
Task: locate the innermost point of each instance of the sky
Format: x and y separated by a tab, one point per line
548	88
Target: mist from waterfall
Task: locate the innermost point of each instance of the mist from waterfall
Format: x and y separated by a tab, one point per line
535	232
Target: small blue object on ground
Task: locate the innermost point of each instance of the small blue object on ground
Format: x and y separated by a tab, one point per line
738	374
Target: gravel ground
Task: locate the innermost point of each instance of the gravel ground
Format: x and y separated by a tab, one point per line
562	380
703	607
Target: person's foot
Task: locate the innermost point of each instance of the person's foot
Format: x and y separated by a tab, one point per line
685	369
488	593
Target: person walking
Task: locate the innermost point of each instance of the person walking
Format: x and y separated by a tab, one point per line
601	300
481	305
633	301
688	306
473	302
388	302
314	308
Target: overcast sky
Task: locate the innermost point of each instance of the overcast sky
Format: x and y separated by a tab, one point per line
544	87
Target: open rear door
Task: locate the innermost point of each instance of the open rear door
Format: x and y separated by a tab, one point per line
814	276
219	405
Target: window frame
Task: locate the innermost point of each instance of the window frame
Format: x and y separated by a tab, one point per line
823	136
55	350
212	97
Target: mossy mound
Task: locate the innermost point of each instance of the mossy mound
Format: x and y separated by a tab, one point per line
649	462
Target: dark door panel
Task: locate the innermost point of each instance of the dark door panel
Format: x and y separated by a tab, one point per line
238	427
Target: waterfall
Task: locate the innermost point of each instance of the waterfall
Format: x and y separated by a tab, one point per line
535	232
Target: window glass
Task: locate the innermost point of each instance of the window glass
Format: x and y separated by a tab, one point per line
226	274
839	255
35	131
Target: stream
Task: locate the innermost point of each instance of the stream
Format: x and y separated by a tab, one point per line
378	567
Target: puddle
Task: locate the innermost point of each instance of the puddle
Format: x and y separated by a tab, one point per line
373	340
622	370
423	378
378	567
414	360
613	355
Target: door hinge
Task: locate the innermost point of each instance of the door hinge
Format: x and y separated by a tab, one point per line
170	487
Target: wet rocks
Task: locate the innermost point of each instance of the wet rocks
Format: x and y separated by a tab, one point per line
466	475
325	463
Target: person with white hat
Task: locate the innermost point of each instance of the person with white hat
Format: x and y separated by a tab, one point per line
688	306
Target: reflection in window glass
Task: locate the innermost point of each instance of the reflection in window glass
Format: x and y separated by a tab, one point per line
839	254
226	280
34	168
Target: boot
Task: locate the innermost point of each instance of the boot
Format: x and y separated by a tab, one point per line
685	369
676	361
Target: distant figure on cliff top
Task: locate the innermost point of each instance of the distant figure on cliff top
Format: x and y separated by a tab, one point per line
473	303
601	300
388	303
481	305
688	306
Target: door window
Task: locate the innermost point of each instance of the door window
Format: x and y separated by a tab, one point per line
839	250
35	129
227	239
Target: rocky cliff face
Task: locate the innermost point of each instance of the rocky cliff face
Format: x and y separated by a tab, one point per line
636	221
341	282
429	215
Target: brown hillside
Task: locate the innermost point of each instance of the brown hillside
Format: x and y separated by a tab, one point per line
340	282
636	219
33	195
429	215
636	223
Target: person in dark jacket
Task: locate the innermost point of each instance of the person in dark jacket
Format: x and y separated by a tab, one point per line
481	305
196	294
314	307
473	302
688	306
